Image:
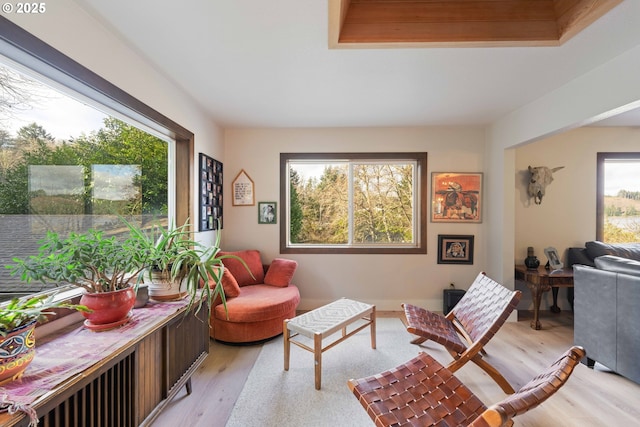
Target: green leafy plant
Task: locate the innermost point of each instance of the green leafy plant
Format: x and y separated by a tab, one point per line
162	245
20	312
100	264
171	251
89	260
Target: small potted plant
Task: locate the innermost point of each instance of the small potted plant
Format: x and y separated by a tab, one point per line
18	319
163	245
105	267
179	266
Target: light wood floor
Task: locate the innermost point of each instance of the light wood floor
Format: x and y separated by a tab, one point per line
590	398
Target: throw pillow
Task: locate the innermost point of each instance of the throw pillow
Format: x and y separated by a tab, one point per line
625	250
229	284
239	271
280	272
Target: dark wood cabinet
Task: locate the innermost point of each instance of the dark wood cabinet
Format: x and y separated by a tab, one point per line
129	386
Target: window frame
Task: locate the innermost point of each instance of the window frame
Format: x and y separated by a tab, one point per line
600	207
422	197
33	54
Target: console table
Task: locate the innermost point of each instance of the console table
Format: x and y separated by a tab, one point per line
540	280
122	377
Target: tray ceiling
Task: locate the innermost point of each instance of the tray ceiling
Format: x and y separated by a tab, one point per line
380	23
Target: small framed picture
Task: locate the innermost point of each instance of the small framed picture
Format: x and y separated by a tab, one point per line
455	249
267	213
243	193
554	258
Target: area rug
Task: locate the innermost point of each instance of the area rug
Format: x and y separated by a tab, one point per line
274	397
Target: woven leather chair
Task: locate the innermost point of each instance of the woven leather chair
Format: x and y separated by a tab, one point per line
476	318
422	392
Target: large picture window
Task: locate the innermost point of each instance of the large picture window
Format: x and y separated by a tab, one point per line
76	152
69	172
353	202
618	197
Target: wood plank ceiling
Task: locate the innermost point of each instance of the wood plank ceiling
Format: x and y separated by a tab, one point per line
445	23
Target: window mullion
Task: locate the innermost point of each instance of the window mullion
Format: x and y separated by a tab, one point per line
350	204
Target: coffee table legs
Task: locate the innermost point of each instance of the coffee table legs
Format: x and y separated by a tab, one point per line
287	344
317	358
373	327
317	349
317	353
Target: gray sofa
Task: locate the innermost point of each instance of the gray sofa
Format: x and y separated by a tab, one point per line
607	307
591	251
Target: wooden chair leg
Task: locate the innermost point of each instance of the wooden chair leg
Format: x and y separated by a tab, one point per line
494	373
419	340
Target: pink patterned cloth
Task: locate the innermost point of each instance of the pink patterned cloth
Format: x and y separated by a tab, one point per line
65	354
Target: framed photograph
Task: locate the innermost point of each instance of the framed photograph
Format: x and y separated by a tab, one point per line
210	193
243	193
554	258
456	197
455	249
267	213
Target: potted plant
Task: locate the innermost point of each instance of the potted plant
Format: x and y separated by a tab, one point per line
181	267
18	319
105	267
163	245
109	268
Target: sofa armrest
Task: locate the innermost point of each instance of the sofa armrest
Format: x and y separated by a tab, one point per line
618	264
594	308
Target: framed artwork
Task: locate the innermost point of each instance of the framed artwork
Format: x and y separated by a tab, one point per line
267	213
554	258
455	249
243	193
210	193
456	197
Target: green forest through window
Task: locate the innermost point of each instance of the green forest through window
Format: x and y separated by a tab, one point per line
346	202
67	167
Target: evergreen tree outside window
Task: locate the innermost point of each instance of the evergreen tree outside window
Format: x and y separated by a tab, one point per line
353	202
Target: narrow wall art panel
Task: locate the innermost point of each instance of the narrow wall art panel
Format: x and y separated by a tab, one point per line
210	193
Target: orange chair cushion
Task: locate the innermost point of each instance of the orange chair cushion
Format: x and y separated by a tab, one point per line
259	303
280	272
239	272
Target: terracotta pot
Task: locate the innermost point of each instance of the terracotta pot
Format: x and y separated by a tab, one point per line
162	288
109	308
17	350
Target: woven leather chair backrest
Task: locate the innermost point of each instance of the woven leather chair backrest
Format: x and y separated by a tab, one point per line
484	308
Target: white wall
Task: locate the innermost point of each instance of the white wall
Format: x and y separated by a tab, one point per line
385	280
74	32
608	89
567	215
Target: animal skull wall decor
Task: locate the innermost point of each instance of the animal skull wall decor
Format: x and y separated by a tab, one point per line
541	176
